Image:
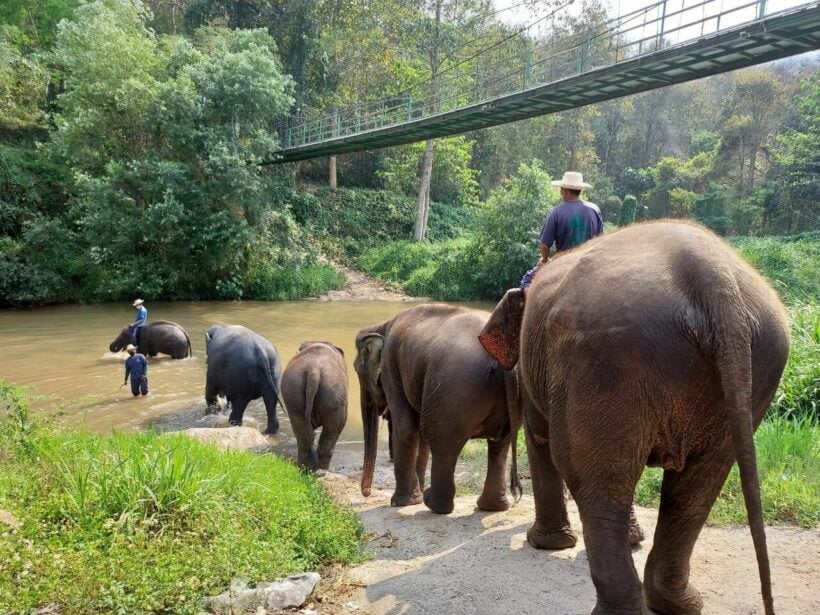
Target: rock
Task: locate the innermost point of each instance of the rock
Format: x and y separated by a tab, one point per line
351	606
221	420
279	594
8	519
242	438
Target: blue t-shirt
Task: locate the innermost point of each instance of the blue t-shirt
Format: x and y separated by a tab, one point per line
142	316
571	224
136	365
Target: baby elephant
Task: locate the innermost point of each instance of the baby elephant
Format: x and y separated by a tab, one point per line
314	387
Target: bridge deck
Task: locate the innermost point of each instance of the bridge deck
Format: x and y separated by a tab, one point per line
765	40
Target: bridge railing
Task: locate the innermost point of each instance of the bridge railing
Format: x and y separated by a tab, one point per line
518	67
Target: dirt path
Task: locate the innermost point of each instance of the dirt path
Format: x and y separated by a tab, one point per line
361	287
478	563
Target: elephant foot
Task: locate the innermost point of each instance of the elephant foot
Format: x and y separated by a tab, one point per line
665	591
601	609
635	532
271	431
235	423
686	602
406	499
437	505
554	540
493	504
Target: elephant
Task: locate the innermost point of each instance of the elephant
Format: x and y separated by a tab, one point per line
442	389
243	366
159	336
655	345
314	387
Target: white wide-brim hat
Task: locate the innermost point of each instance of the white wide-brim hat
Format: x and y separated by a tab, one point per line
130	347
572	180
138	302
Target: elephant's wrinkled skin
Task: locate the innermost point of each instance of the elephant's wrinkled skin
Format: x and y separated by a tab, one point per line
654	345
442	389
242	366
159	336
314	387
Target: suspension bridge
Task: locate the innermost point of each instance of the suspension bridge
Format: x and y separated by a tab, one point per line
667	42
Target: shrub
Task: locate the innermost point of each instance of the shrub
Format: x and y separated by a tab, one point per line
792	264
132	523
628	210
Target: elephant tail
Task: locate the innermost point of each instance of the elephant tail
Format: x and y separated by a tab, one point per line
514	409
188	341
732	349
311	387
264	363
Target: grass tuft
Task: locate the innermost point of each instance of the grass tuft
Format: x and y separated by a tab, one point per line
148	523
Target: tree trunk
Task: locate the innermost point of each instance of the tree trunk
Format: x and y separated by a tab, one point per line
331	172
423	209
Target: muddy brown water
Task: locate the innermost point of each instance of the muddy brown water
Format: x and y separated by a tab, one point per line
62	352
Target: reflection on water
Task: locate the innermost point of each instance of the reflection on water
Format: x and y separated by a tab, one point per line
63	352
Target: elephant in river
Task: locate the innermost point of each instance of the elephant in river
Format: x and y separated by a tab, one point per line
242	366
655	345
442	389
314	387
159	336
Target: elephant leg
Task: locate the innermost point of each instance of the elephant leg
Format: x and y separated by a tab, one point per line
238	406
606	536
421	461
327	443
306	456
494	495
439	497
686	499
551	529
211	397
270	409
635	531
406	448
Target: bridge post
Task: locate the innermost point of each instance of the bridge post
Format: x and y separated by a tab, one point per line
527	68
663	23
761	9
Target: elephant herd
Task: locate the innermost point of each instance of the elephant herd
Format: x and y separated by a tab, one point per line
651	346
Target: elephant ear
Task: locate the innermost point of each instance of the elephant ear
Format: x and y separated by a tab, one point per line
372	345
340	351
501	336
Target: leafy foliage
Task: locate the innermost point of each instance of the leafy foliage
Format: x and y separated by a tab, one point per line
150	523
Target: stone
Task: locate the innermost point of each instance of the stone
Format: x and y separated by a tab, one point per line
241	438
279	594
7	518
221	420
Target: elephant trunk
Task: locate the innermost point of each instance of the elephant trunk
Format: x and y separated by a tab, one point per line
370	423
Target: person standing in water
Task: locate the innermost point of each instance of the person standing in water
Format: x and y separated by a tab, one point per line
136	366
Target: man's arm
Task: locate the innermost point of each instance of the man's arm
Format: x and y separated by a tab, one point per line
545	253
127	369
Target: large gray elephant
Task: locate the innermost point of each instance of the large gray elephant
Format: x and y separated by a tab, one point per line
243	366
442	389
655	345
159	336
314	387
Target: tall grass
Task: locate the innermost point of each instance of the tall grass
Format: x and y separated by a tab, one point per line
798	396
148	523
792	264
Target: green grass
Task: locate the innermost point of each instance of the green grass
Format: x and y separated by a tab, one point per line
798	395
146	523
788	457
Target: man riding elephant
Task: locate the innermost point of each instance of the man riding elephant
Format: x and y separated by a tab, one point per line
141	321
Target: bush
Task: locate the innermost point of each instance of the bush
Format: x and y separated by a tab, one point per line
792	264
798	396
146	523
628	210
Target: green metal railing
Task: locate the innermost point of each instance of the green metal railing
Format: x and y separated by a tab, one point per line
517	67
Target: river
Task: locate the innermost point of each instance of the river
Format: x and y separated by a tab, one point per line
62	352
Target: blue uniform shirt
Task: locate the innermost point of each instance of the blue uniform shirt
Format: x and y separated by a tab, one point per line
136	365
142	316
571	224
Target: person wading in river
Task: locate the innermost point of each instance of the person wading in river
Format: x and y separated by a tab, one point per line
136	366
